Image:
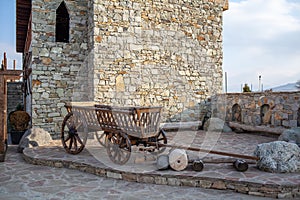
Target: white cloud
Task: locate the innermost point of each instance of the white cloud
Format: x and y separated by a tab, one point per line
261	37
261	19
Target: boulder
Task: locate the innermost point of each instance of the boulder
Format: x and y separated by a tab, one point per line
291	135
278	157
34	137
162	162
216	124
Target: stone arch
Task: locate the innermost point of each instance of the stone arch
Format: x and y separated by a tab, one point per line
62	23
265	114
298	118
236	113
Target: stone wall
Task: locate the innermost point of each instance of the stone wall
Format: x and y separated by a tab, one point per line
133	52
58	69
166	53
270	108
14	96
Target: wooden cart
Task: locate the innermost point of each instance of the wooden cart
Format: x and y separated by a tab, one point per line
122	126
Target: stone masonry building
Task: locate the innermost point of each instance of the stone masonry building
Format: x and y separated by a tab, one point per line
127	53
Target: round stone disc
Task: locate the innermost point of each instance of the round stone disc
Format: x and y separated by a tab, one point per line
178	159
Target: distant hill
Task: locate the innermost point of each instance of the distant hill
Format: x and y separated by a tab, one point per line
286	88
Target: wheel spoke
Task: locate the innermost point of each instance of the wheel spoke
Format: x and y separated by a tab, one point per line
71	143
77	127
70	124
115	153
75	143
78	139
119	156
160	139
101	137
118	147
68	138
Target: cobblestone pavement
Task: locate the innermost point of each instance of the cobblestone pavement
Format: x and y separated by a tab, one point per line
19	180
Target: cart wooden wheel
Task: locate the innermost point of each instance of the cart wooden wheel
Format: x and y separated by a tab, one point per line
161	138
101	137
73	134
118	147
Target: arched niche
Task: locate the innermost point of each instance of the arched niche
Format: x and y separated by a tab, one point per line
265	114
236	113
62	24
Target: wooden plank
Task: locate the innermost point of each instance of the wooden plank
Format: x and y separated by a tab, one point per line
3	117
9	73
4	76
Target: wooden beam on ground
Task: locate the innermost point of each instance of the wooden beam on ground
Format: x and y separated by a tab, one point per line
257	129
205	151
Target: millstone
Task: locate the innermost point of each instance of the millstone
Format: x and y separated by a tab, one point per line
178	159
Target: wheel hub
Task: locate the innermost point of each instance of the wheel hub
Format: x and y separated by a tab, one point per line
72	131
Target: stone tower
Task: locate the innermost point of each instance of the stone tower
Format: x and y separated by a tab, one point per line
125	53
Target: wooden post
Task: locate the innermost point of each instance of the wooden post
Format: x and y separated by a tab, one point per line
4	76
5	62
3	127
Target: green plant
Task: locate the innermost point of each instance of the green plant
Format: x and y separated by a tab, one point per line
19	120
20	107
246	88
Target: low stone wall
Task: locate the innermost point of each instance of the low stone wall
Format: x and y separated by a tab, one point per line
267	108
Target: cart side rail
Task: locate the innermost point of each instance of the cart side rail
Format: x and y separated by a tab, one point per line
85	113
141	122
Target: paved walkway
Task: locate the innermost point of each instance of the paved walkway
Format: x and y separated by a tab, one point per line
19	180
24	181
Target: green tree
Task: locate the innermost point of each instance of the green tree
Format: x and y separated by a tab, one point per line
246	88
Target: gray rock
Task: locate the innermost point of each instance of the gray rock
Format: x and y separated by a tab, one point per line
34	137
216	124
291	135
162	162
226	128
278	156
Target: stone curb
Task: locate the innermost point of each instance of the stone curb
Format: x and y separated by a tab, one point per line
251	188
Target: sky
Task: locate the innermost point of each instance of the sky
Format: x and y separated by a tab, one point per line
8	33
260	38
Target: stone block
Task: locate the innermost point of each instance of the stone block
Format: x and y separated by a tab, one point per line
293	123
286	123
114	175
220	185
